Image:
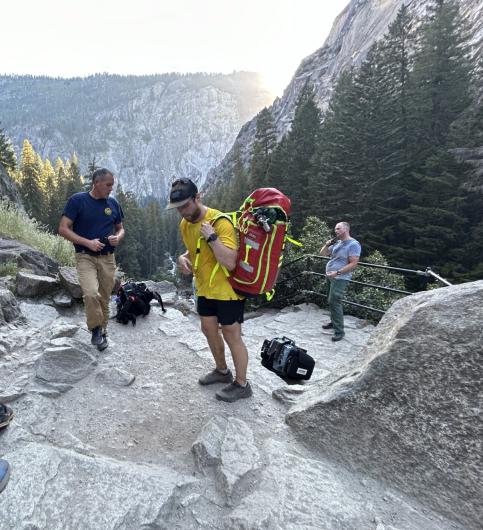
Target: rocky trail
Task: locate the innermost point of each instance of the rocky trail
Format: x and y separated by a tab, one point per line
127	438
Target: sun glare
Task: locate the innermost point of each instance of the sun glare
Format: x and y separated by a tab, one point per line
275	82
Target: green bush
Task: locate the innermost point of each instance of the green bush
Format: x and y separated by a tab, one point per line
16	224
373	297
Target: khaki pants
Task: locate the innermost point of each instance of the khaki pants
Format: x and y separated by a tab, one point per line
96	277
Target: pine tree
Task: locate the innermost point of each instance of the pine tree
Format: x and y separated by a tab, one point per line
388	135
442	75
278	175
239	186
30	181
301	145
265	142
434	218
7	154
338	160
129	252
75	182
153	239
431	227
50	215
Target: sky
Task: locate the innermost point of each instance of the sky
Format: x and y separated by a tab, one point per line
68	38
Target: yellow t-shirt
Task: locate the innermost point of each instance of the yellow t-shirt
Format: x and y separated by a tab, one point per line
220	286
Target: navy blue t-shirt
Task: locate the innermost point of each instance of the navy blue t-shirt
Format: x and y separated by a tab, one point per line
93	218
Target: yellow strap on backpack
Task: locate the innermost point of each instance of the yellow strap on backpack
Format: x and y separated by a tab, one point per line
294	241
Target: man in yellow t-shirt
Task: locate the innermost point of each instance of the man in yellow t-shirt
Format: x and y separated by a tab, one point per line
211	246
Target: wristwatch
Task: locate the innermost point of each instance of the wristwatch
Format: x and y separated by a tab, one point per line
338	273
212	238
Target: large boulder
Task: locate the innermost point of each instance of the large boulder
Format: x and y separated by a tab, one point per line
26	257
65	361
410	411
70	282
228	446
33	285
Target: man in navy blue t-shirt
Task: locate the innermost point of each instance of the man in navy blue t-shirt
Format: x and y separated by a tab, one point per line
92	221
344	254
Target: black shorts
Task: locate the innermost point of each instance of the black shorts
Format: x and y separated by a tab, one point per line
226	311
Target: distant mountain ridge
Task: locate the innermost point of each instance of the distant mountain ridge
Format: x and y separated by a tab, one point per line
146	128
357	27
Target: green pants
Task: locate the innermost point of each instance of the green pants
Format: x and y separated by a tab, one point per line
337	289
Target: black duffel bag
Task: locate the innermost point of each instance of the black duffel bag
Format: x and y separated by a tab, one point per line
282	356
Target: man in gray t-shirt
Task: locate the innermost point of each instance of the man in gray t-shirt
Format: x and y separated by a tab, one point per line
344	254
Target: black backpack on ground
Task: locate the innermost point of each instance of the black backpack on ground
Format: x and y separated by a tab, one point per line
282	356
133	300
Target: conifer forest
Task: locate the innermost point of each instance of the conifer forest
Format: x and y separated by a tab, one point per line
384	157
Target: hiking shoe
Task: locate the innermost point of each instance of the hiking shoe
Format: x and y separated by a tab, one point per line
216	377
233	392
4	473
6	415
329	325
104	344
96	338
337	337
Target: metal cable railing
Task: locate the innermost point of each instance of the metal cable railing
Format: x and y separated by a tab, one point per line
310	259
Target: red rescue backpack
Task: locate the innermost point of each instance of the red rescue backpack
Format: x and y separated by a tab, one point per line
262	223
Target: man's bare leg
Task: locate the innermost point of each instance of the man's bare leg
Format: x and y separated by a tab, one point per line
210	329
239	352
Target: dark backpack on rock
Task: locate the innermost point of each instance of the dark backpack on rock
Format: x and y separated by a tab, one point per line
133	300
288	361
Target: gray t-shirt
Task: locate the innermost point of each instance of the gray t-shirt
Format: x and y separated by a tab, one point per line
339	256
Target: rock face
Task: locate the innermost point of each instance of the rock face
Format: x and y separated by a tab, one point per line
26	257
354	31
145	128
409	411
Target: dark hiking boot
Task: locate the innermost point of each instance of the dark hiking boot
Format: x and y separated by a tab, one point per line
216	377
6	415
337	337
329	325
4	473
104	344
96	338
234	392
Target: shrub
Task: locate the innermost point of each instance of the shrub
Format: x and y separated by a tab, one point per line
9	268
16	224
373	297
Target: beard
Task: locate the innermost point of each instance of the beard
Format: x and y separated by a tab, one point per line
194	217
